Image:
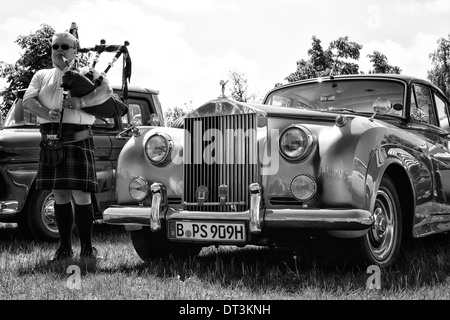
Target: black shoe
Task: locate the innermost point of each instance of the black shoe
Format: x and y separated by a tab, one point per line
62	254
90	253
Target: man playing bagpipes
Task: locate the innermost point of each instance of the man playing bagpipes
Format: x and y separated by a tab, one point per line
60	98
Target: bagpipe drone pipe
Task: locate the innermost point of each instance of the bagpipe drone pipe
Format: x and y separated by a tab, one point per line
80	82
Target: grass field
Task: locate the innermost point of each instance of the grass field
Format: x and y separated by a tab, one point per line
319	271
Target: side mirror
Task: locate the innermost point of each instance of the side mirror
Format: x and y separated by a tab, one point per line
418	114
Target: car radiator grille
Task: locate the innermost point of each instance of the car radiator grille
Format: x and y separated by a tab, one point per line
220	154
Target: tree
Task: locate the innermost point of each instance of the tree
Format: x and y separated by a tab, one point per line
381	65
239	87
440	59
173	115
36	55
332	61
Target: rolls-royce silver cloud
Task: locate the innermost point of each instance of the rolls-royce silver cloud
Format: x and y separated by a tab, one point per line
363	157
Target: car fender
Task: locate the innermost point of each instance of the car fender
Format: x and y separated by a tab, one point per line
133	163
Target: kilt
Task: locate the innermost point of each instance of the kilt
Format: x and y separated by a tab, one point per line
77	170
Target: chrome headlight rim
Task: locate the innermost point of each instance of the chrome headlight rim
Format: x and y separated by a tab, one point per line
133	189
169	147
309	143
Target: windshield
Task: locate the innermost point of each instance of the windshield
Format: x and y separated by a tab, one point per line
341	95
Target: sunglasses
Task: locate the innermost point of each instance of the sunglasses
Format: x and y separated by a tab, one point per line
63	46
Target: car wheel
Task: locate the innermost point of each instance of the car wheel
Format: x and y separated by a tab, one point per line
39	218
153	245
381	244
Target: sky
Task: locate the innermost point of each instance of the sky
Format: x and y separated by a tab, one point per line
184	48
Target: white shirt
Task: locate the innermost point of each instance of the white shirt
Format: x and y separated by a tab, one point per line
46	87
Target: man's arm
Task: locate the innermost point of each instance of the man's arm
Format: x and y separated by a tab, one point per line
38	109
31	102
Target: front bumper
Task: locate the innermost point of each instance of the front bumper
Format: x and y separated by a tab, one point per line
351	219
345	220
8	208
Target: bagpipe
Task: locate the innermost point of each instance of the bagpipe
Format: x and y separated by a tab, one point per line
80	82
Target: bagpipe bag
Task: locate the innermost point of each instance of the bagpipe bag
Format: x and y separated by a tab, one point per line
78	84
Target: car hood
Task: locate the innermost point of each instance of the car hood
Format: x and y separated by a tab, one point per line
223	106
19	144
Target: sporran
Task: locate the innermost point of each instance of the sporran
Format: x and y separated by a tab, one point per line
52	151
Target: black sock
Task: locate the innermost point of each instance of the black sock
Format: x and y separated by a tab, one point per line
84	220
64	221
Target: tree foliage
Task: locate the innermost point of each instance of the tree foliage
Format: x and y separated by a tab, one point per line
36	48
440	72
173	115
36	55
332	61
239	87
381	65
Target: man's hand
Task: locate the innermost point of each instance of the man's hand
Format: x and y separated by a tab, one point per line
72	103
54	114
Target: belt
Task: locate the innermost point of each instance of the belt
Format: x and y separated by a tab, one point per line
72	137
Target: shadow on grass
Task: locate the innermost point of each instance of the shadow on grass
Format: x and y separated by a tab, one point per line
13	243
324	264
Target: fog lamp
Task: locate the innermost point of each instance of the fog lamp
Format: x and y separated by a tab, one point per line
139	189
303	187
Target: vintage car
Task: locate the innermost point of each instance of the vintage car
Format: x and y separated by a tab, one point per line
362	157
32	209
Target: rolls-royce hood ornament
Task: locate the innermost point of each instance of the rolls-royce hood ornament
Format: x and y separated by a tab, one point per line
223	84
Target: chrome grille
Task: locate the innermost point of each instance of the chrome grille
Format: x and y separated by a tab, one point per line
231	159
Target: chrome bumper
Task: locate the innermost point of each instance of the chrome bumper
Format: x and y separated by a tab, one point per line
8	208
322	219
352	219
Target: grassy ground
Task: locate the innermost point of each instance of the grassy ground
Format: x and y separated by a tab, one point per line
319	271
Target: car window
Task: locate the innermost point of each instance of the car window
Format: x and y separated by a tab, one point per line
135	111
422	105
442	110
141	113
357	95
104	124
134	114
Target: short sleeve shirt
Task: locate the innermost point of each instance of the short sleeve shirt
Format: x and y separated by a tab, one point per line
46	87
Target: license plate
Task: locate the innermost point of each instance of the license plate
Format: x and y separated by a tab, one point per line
207	231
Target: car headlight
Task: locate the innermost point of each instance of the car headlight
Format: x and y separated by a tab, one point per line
296	143
158	148
139	189
303	187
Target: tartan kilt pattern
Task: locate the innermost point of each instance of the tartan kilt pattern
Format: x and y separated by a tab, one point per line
75	172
